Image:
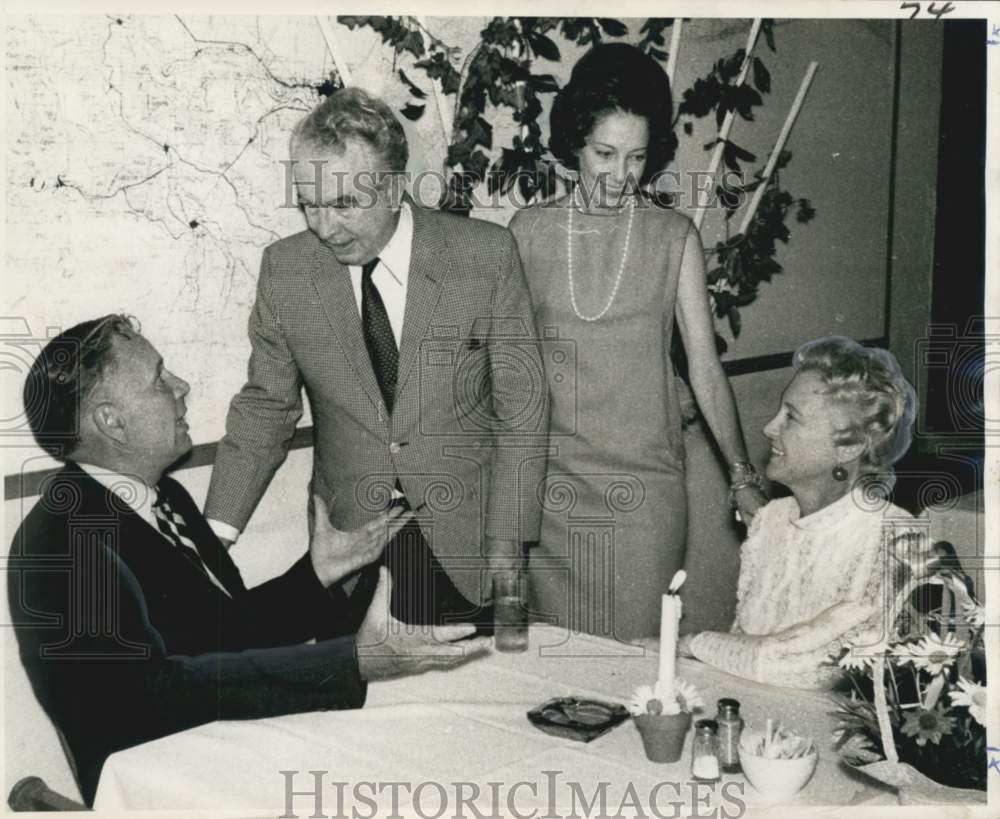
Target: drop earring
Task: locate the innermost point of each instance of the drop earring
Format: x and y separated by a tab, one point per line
839	473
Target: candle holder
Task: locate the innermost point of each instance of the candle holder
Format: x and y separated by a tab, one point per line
662	720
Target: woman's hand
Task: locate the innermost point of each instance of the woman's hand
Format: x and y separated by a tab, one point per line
748	501
684	646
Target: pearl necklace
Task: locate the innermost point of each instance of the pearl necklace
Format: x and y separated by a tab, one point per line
621	267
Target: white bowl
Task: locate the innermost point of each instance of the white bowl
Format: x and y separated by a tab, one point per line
778	777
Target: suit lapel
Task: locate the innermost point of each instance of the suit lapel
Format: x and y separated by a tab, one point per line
211	551
332	281
137	543
428	258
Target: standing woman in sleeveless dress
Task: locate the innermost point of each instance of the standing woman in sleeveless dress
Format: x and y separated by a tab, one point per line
609	271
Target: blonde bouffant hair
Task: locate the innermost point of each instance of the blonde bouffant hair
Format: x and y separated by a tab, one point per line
869	383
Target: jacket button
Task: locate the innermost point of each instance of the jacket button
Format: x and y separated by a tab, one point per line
394	448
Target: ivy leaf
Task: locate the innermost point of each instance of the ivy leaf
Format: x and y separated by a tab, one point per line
476	164
746	98
507	96
543	46
764	269
735	322
730	69
413	88
783	159
327	87
723	303
543	83
483	131
688	128
613	28
413	112
733	154
761	76
659	53
526	186
437	67
701	98
806	211
500	31
740	153
513	71
414	43
767	26
725	106
352	22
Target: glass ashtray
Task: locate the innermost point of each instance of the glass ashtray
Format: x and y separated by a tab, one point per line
579	719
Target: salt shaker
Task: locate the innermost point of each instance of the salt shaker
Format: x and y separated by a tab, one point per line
730	727
705	751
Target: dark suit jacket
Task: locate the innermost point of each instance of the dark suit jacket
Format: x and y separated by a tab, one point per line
126	640
468	432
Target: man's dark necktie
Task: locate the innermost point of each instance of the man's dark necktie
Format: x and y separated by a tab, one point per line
174	528
379	339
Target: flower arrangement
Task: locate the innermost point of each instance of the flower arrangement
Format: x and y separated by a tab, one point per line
653	700
919	697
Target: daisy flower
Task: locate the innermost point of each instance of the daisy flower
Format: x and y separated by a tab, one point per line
975	615
646	700
687	696
932	654
927	725
651	699
973	697
861	658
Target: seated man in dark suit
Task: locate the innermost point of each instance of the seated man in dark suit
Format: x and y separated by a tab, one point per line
132	620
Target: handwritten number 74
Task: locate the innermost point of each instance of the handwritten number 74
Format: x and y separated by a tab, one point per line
932	9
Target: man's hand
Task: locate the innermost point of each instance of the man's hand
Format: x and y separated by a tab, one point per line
389	648
684	646
335	554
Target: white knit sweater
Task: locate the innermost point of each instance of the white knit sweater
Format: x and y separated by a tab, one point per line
808	585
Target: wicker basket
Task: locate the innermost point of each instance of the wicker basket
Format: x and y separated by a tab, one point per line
912	787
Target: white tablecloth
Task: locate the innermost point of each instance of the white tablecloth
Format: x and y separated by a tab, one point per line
463	733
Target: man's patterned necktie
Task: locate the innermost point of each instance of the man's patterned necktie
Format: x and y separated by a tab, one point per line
174	528
379	339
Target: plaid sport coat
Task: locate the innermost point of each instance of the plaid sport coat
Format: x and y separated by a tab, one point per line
468	432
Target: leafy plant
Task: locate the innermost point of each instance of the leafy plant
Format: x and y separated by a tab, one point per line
502	71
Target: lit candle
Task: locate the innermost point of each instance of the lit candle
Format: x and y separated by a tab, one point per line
669	618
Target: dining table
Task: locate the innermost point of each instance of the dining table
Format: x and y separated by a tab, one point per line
446	742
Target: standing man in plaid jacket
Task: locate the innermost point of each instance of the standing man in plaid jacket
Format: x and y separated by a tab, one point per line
411	332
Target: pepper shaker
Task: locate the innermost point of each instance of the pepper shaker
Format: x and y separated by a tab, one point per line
730	727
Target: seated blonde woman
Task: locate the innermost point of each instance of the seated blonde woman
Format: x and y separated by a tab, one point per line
818	568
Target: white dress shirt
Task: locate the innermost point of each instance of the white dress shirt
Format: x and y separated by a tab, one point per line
390	278
391	273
